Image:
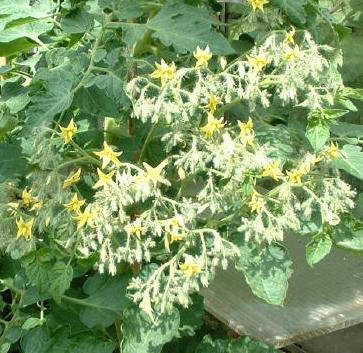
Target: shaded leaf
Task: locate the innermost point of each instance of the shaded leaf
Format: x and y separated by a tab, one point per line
317	249
143	336
351	160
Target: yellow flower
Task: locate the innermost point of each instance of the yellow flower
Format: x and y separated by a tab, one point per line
69	131
213	103
273	171
164	71
257	203
258	62
27	197
213	125
309	162
24	228
258	4
247	133
108	155
246	128
104	179
87	217
202	56
292	54
136	228
37	205
289	39
175	228
72	179
190	267
75	204
332	151
295	176
154	174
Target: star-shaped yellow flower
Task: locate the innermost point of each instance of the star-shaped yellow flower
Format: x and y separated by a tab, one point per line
257	203
87	217
24	228
154	174
72	179
27	197
213	103
104	179
258	4
213	125
164	71
273	171
190	267
289	39
202	56
292	54
136	228
69	131
108	155
332	151
295	176
258	63
75	204
247	133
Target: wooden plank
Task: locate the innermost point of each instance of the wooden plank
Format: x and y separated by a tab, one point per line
320	300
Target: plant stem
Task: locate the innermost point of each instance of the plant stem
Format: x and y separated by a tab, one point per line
147	141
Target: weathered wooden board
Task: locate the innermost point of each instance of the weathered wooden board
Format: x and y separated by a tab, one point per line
319	300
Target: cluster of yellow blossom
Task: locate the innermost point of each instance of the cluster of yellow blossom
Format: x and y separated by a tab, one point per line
258	4
213	125
164	72
175	228
67	133
190	267
24	228
257	202
258	62
203	57
136	228
291	53
30	201
247	133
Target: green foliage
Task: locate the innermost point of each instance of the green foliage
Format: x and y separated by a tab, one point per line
318	248
267	269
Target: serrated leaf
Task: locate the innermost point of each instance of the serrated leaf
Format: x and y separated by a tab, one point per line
143	336
246	345
267	269
13	162
351	160
208	345
57	98
78	22
317	249
60	277
294	9
317	136
182	26
30	30
345	238
347	129
31	323
106	301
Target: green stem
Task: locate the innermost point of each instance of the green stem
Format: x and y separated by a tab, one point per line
147	141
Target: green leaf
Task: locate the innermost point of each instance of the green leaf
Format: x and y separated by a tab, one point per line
15	96
317	249
78	22
347	129
208	345
182	26
16	47
351	160
39	341
57	98
106	301
294	9
352	69
345	238
13	162
191	318
60	277
317	136
267	268
143	336
20	9
28	30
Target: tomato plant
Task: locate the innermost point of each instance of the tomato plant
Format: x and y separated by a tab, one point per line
145	144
